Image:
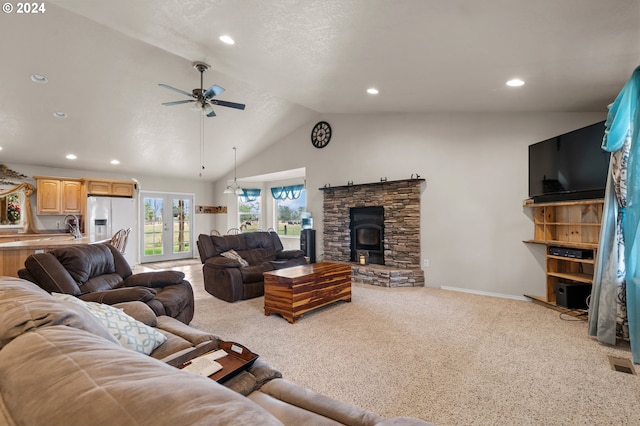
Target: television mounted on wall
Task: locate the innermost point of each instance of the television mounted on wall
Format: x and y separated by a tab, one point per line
571	166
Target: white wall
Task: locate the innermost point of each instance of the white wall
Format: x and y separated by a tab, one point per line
476	170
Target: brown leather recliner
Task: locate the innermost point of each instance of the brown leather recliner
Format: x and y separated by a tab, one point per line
228	279
100	273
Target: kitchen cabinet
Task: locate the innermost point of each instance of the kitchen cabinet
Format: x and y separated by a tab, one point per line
58	196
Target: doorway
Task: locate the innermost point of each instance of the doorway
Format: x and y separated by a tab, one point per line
167	220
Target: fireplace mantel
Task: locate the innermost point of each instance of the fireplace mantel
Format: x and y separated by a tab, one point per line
383	182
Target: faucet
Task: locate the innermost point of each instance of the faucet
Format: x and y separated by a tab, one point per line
74	227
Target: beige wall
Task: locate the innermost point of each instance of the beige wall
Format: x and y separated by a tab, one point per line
476	171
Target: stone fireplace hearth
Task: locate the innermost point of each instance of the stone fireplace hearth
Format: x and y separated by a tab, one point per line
400	201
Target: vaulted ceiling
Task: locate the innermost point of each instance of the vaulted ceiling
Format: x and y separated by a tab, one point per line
292	62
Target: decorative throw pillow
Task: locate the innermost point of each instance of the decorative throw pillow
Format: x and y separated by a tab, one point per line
232	254
130	332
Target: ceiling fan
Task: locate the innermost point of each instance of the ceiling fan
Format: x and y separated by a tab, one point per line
203	98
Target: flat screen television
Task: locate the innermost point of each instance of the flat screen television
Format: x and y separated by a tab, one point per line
572	166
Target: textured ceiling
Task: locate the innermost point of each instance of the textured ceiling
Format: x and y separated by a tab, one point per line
292	61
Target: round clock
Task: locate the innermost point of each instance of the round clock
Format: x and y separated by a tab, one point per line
321	134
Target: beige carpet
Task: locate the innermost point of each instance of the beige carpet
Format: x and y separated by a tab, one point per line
447	357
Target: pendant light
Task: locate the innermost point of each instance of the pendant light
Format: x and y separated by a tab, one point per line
234	188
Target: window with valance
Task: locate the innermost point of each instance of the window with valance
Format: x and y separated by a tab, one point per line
290	202
291	192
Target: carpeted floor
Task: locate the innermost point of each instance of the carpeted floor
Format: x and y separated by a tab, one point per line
448	357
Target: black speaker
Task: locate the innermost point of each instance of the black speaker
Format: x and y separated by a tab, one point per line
572	295
308	244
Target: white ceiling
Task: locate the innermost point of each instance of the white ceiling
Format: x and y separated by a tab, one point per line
293	61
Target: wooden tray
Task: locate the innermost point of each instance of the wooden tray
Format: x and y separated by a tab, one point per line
238	359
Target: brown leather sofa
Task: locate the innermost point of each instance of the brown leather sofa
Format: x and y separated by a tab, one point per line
227	278
100	273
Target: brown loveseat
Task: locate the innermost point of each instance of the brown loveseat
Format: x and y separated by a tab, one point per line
61	365
100	273
227	278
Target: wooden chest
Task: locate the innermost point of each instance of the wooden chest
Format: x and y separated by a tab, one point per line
292	292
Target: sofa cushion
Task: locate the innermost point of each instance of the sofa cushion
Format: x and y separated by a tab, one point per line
101	283
228	242
253	274
232	254
83	380
258	255
86	261
140	311
131	333
154	279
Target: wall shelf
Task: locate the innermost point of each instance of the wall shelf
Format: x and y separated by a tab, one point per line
571	225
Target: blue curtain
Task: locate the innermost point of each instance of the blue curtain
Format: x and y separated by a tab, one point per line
291	192
249	195
621	138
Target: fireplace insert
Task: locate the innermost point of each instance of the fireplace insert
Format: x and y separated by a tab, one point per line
367	233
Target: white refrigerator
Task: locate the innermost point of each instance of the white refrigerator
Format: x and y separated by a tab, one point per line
106	215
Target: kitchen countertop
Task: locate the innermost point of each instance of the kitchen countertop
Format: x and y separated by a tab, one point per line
48	241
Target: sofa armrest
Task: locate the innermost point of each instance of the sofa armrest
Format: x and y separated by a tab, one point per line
154	279
289	254
309	400
118	295
220	262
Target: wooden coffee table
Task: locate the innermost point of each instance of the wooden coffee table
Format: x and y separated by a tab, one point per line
291	292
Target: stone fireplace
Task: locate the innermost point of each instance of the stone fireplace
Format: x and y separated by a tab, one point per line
398	264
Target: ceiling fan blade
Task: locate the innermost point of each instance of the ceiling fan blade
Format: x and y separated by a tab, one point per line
212	91
176	90
178	102
212	113
227	104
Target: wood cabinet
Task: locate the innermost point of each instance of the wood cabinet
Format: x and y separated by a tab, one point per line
57	196
573	225
112	188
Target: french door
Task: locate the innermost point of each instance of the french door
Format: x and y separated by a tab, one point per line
168	224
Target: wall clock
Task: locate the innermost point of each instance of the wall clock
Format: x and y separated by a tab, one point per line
321	134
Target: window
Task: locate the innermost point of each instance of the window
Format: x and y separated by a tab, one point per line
289	210
11	208
249	210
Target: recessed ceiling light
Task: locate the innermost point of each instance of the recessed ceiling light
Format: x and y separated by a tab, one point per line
114	162
372	91
516	82
60	114
227	39
71	157
37	78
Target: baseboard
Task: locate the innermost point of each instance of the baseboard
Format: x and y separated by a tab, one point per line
486	293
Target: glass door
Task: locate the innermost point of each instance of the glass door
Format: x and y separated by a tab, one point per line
168	223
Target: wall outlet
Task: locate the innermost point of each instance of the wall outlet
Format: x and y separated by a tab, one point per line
425	263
